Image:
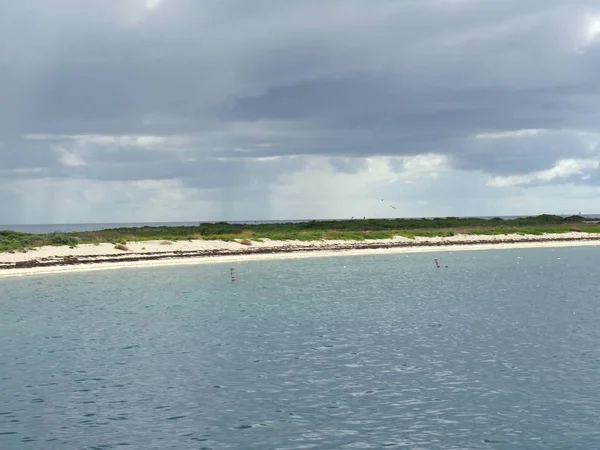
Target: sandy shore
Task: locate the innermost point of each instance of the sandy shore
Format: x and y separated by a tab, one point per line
86	257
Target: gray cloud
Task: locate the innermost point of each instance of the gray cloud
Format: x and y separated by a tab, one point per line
522	154
225	83
349	165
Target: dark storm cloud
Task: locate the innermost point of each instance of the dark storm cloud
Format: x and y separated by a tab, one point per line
19	154
522	154
344	78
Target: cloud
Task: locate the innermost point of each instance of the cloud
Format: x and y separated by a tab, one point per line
349	165
221	98
521	151
591	31
67	158
564	170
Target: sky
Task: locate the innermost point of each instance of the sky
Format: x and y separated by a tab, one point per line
192	110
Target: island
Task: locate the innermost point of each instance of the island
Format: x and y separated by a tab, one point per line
30	253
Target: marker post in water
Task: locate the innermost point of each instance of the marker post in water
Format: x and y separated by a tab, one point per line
232	274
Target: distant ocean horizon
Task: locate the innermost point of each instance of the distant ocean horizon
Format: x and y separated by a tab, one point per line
81	227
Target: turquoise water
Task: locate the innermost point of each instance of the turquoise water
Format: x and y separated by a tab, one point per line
498	351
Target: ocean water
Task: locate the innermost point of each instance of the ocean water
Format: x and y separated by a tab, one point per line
498	351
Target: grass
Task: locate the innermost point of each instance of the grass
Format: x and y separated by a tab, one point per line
305	231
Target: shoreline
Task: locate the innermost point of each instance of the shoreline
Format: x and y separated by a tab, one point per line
143	254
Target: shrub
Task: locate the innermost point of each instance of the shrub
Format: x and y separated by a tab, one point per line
62	239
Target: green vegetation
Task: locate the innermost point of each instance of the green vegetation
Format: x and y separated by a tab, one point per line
305	231
14	240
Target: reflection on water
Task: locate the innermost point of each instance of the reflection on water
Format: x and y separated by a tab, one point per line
499	351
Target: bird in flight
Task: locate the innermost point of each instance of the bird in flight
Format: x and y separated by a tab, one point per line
390	205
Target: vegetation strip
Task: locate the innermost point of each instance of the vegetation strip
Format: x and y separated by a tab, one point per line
315	230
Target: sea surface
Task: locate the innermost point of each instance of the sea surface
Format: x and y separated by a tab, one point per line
500	350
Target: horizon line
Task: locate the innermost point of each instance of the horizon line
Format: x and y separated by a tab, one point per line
295	220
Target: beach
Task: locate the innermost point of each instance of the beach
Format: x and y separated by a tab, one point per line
85	257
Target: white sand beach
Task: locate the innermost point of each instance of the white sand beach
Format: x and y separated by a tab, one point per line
62	259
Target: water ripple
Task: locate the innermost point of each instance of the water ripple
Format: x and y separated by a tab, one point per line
386	353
